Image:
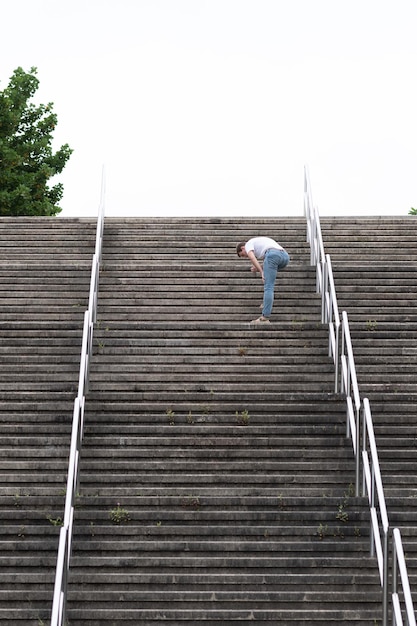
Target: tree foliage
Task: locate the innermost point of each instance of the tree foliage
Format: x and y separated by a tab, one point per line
412	211
27	160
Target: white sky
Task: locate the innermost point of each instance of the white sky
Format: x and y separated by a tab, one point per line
212	107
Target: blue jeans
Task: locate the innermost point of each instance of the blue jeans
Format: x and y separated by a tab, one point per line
274	261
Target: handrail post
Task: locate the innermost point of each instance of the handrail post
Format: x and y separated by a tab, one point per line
336	360
364	431
372	505
358	455
385	580
324	291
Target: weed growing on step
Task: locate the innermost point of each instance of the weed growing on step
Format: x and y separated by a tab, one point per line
190	418
342	515
242	418
171	416
281	502
119	515
205	409
55	521
242	351
16	500
191	502
100	344
322	531
371	325
42	623
339	534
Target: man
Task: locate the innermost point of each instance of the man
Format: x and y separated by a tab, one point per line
274	258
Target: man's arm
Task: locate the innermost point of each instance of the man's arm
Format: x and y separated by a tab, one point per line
255	263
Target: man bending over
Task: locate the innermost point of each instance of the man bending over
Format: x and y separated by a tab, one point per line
274	258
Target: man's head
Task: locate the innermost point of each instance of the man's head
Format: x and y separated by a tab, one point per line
240	249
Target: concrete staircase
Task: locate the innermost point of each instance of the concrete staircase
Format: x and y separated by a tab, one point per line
215	475
216	478
45	267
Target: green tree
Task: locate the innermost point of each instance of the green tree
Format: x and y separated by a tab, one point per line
27	161
412	211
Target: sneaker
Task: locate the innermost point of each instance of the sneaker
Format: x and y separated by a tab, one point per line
261	320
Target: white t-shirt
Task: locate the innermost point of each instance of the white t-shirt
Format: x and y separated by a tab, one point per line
259	245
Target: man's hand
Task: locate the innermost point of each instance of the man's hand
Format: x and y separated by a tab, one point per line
256	267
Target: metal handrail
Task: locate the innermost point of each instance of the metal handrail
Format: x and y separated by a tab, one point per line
308	205
65	537
324	275
314	238
372	481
